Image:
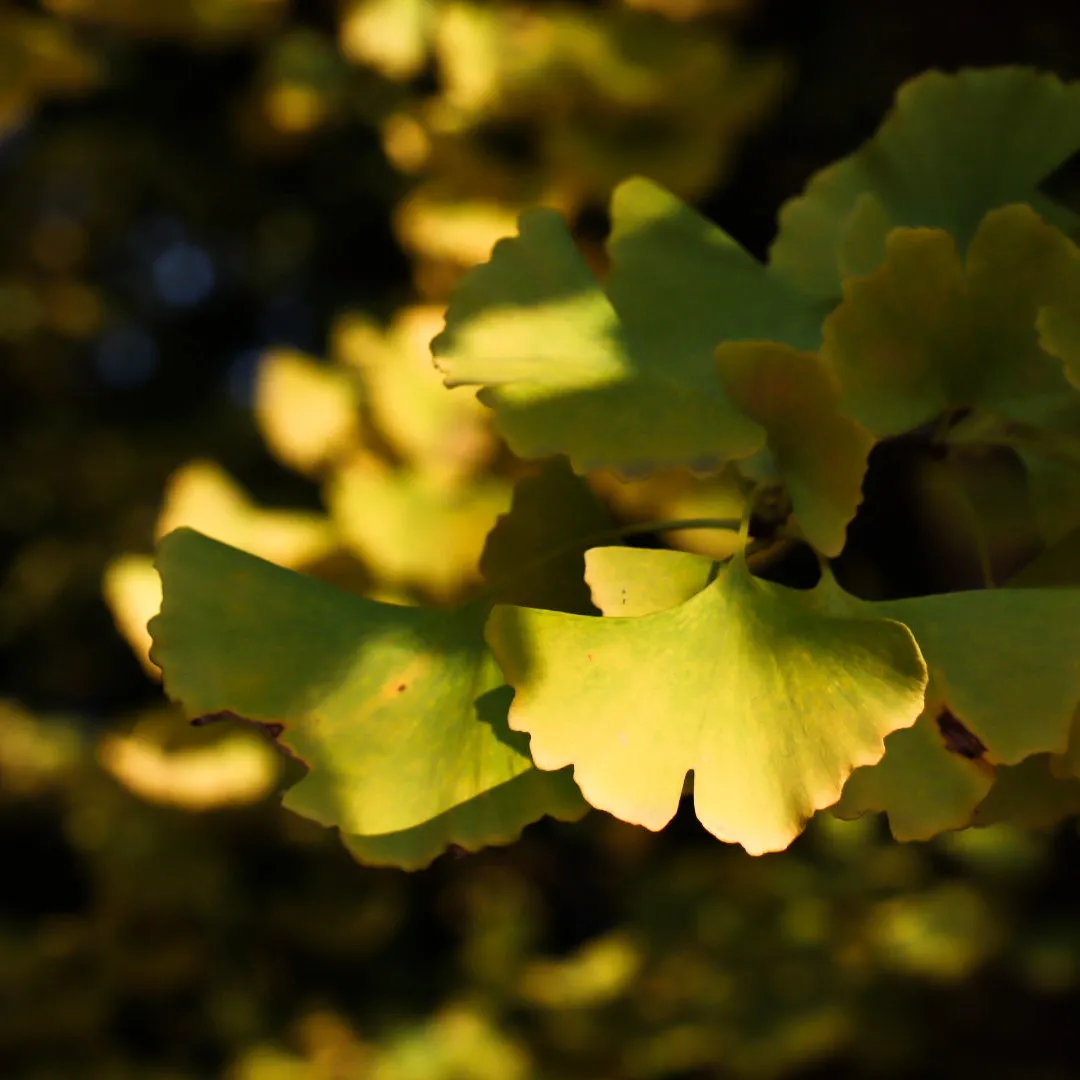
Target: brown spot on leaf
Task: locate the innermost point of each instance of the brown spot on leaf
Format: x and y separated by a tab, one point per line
958	739
401	688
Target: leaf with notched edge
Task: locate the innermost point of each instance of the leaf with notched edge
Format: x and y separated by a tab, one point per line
620	375
399	713
769	701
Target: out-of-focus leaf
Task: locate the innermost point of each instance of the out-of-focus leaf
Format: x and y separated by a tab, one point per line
308	413
413	530
203	496
132	590
234	771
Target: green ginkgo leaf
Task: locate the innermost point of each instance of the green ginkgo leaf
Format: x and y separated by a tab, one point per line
1058	565
770	703
925	788
622	378
399	713
534	556
1005	662
927	331
953	148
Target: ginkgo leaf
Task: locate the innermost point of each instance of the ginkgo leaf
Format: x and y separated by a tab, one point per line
1005	662
771	704
927	332
414	530
820	454
1053	485
668	266
623	378
308	412
628	581
535	554
1059	564
953	148
925	788
201	495
498	816
394	710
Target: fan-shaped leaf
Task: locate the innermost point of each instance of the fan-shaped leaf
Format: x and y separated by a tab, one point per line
1005	662
534	556
495	817
628	581
769	702
399	713
926	332
624	378
1028	794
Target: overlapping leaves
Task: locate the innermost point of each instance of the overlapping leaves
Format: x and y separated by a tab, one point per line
953	148
929	331
992	656
620	375
769	702
399	713
960	296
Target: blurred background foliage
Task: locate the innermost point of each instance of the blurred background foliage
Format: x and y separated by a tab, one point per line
227	231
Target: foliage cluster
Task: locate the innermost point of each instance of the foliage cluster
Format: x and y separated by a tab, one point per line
157	926
923	289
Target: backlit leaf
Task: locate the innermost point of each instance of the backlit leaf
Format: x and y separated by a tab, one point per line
624	378
399	713
770	702
495	817
641	581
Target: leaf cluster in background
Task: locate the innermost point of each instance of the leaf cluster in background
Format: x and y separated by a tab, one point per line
187	935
